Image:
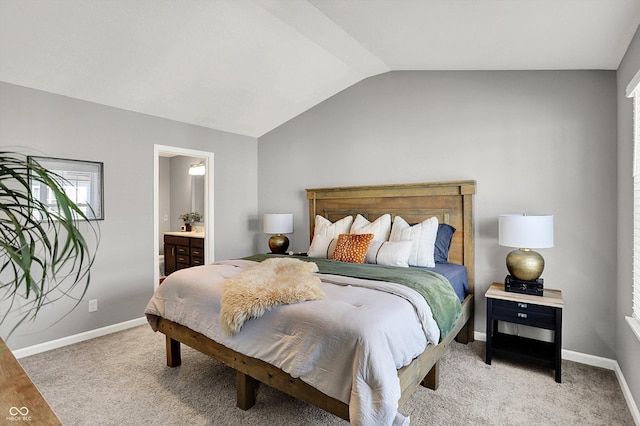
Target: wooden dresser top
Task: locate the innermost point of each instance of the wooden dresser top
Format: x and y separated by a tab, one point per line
549	298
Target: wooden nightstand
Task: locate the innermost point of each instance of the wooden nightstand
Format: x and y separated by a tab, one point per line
535	311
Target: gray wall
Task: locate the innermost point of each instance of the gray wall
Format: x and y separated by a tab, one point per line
628	346
535	141
122	278
540	142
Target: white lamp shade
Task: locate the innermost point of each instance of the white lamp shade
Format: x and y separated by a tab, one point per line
277	223
525	231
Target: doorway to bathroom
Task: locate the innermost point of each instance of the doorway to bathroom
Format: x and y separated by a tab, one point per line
183	198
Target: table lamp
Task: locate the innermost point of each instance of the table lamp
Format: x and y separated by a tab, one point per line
525	232
278	224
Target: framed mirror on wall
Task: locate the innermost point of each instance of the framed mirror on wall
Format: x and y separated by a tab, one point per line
83	182
197	194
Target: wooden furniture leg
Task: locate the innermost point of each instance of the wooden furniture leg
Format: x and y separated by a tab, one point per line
432	379
174	358
246	390
558	345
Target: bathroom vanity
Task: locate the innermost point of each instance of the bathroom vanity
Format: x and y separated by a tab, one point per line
183	250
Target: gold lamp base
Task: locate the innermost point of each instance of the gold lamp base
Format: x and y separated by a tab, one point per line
525	264
278	244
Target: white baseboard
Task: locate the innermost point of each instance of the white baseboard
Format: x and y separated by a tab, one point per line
480	336
635	413
595	361
77	338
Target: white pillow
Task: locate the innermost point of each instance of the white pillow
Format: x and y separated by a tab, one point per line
389	253
322	246
324	226
423	236
380	228
325	235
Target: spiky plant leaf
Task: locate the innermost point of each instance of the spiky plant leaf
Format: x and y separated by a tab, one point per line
43	253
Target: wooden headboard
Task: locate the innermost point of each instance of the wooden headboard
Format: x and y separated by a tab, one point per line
451	202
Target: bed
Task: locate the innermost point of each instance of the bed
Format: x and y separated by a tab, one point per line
449	202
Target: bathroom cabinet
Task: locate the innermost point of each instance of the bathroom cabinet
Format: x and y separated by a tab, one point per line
182	251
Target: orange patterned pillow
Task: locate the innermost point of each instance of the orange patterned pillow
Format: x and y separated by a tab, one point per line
352	247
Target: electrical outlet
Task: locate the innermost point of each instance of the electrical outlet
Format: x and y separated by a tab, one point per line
93	305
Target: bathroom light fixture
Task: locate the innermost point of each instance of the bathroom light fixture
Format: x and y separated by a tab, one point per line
197	169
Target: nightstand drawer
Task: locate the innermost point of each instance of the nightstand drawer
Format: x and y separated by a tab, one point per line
183	259
524	313
522	306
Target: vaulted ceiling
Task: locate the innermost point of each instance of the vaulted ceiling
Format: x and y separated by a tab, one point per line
247	66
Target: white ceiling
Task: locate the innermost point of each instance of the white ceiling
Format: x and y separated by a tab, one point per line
247	66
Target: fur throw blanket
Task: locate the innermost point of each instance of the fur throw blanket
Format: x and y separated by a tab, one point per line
257	289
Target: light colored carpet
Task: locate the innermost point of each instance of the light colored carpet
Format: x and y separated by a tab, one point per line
122	379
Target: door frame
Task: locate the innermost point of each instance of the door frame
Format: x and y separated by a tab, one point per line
163	150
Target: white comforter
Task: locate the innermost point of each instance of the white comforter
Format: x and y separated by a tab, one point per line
348	345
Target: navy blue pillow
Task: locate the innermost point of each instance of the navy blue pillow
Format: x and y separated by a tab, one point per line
443	242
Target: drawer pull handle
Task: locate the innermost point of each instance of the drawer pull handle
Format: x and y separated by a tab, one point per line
521	315
522	305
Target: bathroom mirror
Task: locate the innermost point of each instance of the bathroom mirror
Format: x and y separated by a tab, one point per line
197	194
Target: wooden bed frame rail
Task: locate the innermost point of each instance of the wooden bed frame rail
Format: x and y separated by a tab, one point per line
252	371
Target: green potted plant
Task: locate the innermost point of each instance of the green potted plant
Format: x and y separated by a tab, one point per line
44	255
189	219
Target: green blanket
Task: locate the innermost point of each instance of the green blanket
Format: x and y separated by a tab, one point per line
435	288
